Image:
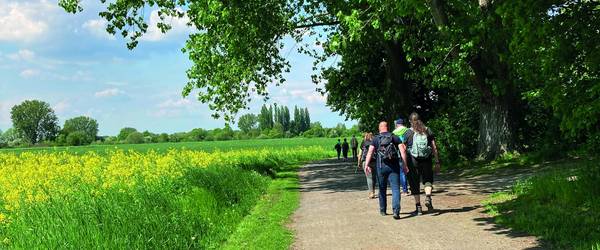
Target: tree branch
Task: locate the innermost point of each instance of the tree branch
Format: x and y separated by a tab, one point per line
310	25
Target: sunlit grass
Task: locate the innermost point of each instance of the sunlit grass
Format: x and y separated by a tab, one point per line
177	199
562	207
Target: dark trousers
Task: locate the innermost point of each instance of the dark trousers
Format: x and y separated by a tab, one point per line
354	153
338	152
420	171
387	174
345	152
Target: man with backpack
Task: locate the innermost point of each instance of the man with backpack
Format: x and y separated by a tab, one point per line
422	149
345	148
338	148
401	131
387	145
354	146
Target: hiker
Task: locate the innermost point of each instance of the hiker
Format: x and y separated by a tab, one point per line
400	131
386	145
345	148
420	142
338	148
354	146
372	173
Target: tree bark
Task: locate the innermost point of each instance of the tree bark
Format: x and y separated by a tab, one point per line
496	127
398	89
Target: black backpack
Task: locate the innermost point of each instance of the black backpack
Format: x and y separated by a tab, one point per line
387	149
365	150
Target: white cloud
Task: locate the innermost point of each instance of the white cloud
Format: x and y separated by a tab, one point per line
178	27
175	107
23	54
115	83
98	28
109	92
27	73
61	106
309	95
23	21
181	103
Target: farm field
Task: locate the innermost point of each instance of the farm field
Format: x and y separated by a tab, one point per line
207	146
148	197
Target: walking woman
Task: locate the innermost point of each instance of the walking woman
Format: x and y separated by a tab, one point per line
371	175
422	149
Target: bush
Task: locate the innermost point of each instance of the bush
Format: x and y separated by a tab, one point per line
77	138
135	138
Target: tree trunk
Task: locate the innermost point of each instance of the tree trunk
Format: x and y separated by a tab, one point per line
498	112
496	128
398	89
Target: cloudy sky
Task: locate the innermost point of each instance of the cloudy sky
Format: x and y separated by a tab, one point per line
70	62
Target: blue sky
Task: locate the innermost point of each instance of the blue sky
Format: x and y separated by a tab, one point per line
70	62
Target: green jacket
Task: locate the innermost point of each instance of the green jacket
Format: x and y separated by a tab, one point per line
400	133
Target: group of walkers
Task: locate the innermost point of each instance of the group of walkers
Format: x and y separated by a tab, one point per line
402	158
342	148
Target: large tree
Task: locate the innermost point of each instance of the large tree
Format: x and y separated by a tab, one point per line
393	53
86	126
247	122
35	121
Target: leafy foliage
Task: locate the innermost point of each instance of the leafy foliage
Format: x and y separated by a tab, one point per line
35	120
86	127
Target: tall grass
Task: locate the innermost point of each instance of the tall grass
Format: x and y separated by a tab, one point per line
563	207
128	200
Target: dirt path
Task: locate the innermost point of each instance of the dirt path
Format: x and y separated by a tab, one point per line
334	213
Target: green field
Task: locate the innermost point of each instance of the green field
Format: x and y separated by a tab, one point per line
176	196
207	146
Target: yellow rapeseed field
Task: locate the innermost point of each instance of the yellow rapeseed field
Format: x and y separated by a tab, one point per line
37	177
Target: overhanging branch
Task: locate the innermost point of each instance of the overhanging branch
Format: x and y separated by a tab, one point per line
311	25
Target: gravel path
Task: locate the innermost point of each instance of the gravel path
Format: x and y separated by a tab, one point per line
335	213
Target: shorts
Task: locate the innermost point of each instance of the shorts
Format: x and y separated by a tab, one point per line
420	171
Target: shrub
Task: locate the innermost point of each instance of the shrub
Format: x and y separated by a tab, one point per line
77	138
135	138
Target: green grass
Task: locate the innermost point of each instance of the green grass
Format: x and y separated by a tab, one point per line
562	207
207	146
224	203
265	227
510	164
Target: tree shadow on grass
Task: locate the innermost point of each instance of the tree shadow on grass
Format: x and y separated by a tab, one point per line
503	230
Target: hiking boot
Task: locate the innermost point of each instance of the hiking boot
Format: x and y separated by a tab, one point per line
396	216
428	204
418	210
382	213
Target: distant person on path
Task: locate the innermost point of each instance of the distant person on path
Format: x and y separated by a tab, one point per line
345	148
422	149
386	145
371	174
354	146
338	148
401	131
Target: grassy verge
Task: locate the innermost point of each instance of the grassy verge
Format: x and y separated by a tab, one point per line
265	227
562	207
514	163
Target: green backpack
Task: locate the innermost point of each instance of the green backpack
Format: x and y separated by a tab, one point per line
420	146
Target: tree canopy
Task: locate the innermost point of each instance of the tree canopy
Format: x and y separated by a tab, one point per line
518	59
35	120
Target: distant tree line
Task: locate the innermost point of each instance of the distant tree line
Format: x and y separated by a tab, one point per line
275	122
36	124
